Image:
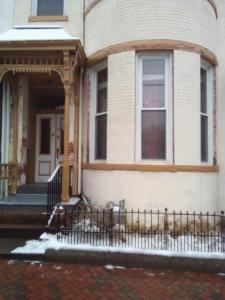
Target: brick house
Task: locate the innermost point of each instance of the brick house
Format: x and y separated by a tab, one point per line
127	95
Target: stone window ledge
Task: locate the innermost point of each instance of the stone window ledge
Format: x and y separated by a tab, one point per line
47	18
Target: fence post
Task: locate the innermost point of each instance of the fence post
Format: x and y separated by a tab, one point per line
58	220
222	223
166	229
111	227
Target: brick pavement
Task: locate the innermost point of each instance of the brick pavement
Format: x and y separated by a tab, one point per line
26	280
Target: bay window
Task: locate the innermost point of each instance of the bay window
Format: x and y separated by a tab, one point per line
153	108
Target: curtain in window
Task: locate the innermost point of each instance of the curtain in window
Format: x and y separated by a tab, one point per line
153	112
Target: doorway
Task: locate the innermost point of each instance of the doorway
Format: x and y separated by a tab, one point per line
49	145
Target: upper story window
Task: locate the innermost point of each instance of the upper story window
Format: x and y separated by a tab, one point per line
206	112
50	7
99	136
153	114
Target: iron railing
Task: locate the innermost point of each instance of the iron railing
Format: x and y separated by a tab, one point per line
7	179
54	189
148	230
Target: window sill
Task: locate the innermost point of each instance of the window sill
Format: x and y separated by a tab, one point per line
47	18
150	168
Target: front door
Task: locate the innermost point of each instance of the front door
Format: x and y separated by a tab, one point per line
49	145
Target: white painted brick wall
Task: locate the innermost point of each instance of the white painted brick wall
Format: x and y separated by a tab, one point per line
6	9
111	22
187	108
73	9
221	100
149	189
121	108
146	190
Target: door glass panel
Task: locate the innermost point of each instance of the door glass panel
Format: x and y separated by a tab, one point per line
61	136
45	136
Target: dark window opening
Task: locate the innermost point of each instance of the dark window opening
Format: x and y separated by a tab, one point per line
50	7
101	115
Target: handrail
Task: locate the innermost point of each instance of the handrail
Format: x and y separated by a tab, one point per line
54	173
54	189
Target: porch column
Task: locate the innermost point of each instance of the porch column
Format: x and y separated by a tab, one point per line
76	134
15	100
65	176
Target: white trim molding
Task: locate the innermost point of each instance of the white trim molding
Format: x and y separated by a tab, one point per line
93	106
141	58
209	111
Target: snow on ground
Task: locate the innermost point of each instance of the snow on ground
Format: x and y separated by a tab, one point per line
49	241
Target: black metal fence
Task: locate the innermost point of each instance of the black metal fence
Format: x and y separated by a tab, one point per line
148	230
54	189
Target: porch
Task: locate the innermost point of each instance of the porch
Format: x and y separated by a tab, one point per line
40	75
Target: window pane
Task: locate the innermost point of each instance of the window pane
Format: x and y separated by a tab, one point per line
102	76
203	91
45	136
100	136
153	83
102	100
153	135
154	67
204	138
153	95
50	7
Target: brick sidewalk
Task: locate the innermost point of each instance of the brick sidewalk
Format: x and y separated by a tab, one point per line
26	280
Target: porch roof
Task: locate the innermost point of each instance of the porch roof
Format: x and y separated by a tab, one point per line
40	38
36	33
